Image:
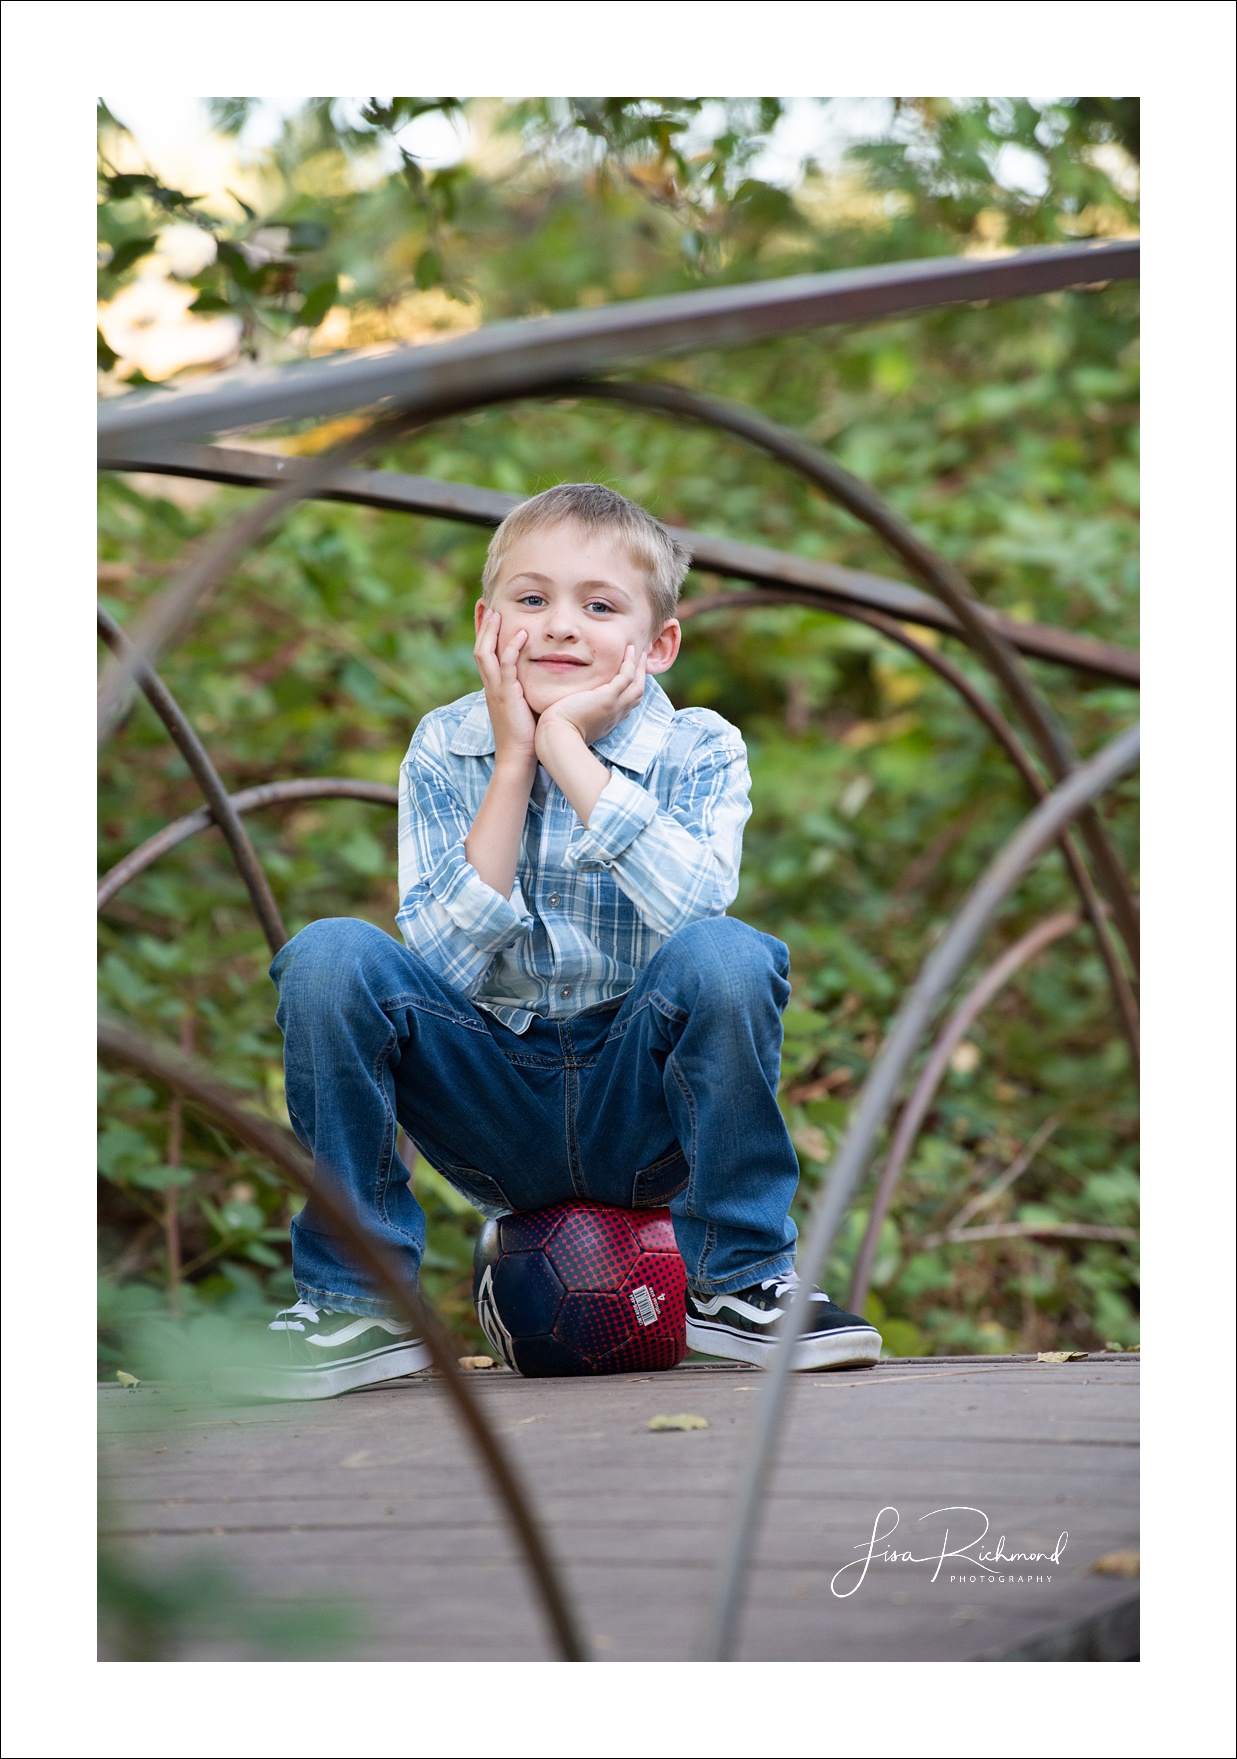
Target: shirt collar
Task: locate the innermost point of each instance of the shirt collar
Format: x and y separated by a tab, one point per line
632	745
474	737
635	742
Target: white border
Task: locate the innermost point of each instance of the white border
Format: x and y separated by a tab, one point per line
1175	56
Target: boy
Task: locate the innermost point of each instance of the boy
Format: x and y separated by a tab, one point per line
573	1015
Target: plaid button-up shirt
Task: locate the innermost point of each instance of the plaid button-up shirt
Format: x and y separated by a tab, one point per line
591	904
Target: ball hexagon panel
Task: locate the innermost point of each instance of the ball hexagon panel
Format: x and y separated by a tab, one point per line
529	1229
659	1347
527	1292
594	1324
593	1247
543	1358
654	1230
663	1278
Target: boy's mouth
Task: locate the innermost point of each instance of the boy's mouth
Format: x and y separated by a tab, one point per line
558	662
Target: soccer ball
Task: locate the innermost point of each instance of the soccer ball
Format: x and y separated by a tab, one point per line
581	1289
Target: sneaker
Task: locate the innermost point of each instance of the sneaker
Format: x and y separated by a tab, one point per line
312	1353
744	1326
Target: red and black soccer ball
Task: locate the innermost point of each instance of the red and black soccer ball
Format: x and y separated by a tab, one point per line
581	1289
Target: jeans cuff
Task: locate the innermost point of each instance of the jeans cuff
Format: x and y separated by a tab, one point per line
365	1306
745	1279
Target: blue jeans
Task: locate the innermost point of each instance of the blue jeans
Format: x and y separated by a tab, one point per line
667	1099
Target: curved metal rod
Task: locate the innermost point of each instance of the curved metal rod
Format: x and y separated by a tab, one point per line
248	800
940	577
1123	996
169	614
998	974
1036	834
522	357
394	491
206	776
193	1081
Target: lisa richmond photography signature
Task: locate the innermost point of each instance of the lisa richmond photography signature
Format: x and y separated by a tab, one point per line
992	1563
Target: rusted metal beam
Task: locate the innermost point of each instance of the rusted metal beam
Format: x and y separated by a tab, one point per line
393	491
972	1005
207	778
990	716
248	800
526	355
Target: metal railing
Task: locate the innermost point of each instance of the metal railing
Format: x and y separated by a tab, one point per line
404	388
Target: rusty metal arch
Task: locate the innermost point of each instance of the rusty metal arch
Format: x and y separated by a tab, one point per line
1027	947
248	800
540	357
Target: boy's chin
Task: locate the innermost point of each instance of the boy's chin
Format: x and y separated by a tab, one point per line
542	693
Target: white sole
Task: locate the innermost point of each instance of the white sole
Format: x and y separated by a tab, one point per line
858	1348
388	1363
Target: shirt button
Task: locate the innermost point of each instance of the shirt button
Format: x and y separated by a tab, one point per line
554	900
565	991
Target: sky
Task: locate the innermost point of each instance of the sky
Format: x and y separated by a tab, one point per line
176	136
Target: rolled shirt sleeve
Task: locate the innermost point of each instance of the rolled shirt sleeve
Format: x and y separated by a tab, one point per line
680	864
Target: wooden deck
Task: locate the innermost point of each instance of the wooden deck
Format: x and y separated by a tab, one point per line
374	1501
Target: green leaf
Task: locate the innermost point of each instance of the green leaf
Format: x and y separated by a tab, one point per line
210	302
162	1178
107	355
428	270
130	252
317	303
260	1254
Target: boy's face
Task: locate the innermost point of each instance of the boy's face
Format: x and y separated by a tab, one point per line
583	602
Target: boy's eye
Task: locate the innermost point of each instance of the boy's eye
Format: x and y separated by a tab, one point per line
598	605
533	600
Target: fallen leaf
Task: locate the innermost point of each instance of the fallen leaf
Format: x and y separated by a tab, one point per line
684	1420
1115	1563
476	1361
129	1380
1062	1356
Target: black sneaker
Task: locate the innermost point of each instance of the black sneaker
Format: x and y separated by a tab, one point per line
745	1325
307	1353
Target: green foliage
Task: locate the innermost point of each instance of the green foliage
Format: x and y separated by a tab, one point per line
200	1612
1006	433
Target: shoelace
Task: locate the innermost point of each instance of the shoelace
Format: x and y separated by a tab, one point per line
291	1318
786	1284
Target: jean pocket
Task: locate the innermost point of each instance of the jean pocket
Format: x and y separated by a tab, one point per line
654	1186
482	1192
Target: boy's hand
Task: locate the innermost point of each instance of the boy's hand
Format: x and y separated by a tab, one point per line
510	716
593	713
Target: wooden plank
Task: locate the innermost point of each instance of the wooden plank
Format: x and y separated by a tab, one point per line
373	1501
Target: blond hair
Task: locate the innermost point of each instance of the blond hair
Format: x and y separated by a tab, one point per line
593	507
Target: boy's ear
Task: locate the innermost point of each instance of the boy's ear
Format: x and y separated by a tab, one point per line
479	610
664	648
